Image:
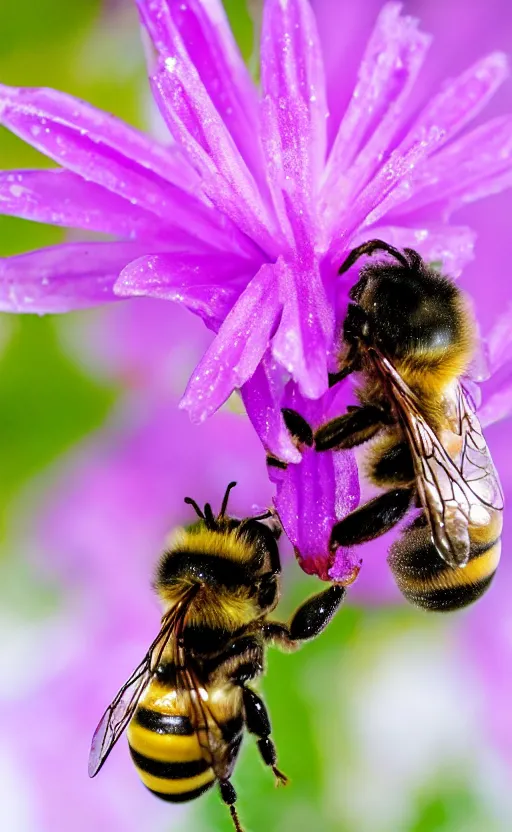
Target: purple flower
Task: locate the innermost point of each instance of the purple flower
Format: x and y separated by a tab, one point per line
245	217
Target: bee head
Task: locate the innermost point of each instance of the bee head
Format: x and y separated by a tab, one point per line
406	305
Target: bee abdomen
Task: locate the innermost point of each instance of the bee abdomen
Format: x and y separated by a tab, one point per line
426	580
168	757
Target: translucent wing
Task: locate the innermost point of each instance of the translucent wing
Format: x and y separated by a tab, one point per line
120	711
456	480
477	467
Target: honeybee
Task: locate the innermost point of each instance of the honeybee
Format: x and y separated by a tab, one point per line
409	334
187	704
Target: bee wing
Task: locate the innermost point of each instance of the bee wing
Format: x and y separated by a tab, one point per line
452	492
477	467
120	711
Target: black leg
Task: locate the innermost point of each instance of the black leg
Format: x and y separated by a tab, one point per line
394	466
257	721
311	618
372	519
351	429
228	794
297	426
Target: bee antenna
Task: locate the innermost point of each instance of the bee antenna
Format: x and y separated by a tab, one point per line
194	505
226	499
208	517
368	249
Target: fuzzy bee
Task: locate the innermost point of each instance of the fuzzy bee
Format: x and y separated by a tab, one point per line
409	336
187	705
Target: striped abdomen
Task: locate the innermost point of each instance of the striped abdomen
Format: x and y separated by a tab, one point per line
426	580
165	746
166	752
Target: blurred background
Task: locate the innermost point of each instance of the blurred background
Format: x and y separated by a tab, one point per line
392	721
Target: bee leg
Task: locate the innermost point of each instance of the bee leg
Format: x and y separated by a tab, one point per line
353	428
373	518
311	618
228	795
257	721
298	427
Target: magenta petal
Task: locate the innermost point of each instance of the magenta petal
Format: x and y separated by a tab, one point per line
237	349
63	278
463	98
390	66
499	342
262	396
321	489
198	128
497	407
37	113
60	197
199	282
306	328
451	246
474	166
295	108
97	146
211	47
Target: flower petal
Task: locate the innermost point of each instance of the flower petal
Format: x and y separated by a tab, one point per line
196	125
499	342
46	109
109	153
262	396
474	166
295	107
306	328
208	286
462	99
60	197
451	246
497	407
237	349
317	492
210	44
390	66
63	278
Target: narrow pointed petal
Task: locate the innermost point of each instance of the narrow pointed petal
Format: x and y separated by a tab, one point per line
237	349
63	278
314	494
477	164
262	396
497	407
499	342
46	109
199	130
207	285
295	107
306	328
390	67
60	197
462	99
105	151
450	247
211	47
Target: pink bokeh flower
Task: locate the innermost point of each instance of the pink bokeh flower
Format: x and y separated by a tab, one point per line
245	216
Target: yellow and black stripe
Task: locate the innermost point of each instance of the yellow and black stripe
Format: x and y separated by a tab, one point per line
166	751
426	580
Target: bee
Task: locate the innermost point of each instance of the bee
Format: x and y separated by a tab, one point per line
409	333
187	704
